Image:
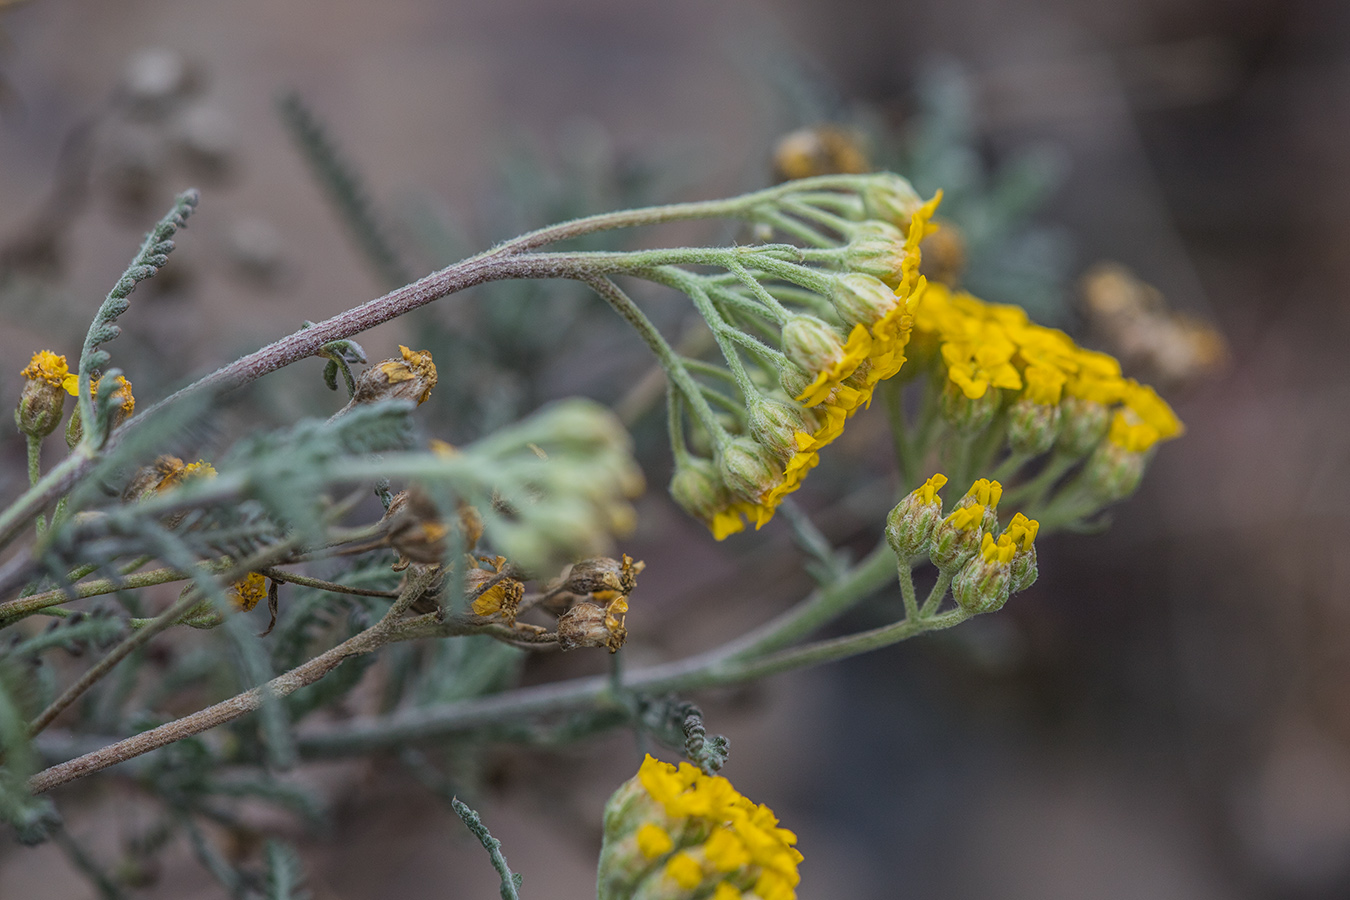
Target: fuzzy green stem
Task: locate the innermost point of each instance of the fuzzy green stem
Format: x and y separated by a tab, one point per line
799	230
14	610
671	361
779	313
690	285
35	474
1033	492
907	589
934	600
510	886
821	216
746	206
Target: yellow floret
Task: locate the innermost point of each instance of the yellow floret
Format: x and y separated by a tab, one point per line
966	518
685	871
654	841
927	492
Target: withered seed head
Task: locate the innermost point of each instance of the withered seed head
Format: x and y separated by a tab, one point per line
603	576
591	625
502	599
409	378
415	531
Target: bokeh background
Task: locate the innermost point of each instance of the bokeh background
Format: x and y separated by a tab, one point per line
1166	714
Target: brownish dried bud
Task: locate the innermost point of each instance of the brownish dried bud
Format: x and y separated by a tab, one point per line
603	576
409	378
591	625
164	473
819	150
415	530
501	599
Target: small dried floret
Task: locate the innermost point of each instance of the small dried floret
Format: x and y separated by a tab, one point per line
501	599
165	473
602	577
409	378
416	531
818	150
248	591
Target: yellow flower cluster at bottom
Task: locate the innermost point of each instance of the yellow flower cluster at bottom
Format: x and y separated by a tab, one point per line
695	836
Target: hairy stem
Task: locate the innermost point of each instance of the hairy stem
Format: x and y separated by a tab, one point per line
671	361
13	610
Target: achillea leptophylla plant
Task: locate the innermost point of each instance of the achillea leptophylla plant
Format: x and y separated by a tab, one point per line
821	313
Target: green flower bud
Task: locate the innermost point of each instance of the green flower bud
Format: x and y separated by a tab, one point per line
862	299
1022	531
878	249
811	344
967	415
909	527
1112	472
1083	424
749	468
890	198
1024	571
957	537
775	423
983	584
41	406
697	488
1032	426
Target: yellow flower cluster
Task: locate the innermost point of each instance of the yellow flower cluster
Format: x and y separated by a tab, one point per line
990	345
71	383
740	853
48	367
872	354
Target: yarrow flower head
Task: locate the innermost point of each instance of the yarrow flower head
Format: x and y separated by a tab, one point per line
1064	392
165	473
43	401
830	374
678	833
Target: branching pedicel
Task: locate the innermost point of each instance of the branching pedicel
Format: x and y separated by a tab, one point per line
809	332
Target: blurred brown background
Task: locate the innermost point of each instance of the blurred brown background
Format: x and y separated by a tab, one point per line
1166	714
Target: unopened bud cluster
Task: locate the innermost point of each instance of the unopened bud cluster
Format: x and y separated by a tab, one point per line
984	564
